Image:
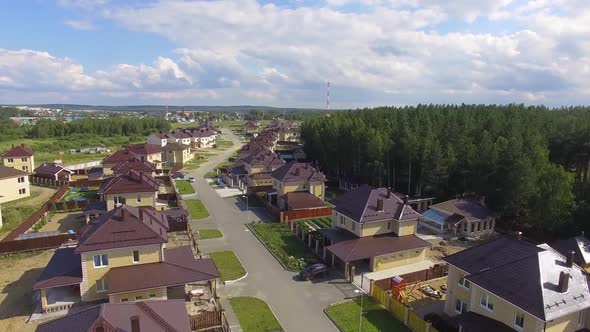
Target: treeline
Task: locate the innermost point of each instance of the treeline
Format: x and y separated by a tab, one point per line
531	163
300	115
104	127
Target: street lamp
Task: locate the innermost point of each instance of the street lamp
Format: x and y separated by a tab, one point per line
357	291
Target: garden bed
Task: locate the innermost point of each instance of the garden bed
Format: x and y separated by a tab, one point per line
317	223
254	315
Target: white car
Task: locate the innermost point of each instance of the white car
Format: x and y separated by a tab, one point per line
191	179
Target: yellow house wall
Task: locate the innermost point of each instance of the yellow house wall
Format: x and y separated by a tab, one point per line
397	259
405	227
17	163
154	156
567	323
117	258
376	228
145	294
9	188
255	183
347	223
106	168
147	199
455	291
317	188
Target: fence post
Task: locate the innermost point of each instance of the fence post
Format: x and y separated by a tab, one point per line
309	239
428	325
291	224
317	245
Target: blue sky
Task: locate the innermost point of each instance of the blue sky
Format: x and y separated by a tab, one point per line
282	53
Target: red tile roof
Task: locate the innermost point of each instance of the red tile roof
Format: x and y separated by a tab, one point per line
18	151
153	316
119	156
130	182
144	149
125	226
64	268
371	246
295	171
179	267
51	169
134	163
301	200
9	172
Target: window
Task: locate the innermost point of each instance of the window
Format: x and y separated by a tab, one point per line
23	159
152	296
519	320
21	179
101	286
135	256
124	300
25	168
478	226
464	282
342	221
465	227
138	198
353	226
10	160
137	298
389	225
487	302
460	306
472	228
101	261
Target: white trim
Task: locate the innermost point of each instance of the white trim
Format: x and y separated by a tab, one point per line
516	327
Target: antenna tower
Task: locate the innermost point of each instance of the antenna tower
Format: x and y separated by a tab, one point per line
328	97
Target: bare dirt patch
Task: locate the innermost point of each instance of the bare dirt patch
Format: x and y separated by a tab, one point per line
63	222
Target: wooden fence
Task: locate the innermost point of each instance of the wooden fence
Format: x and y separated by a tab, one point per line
48	242
206	320
305	214
85	183
46	182
178	226
35	217
436	271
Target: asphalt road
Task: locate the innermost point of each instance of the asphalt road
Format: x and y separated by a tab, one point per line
297	305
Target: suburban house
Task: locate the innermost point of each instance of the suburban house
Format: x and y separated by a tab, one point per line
53	172
176	154
248	149
373	229
579	245
207	125
19	157
250	127
234	175
148	152
121	257
163	315
14	184
300	178
136	164
160	138
181	137
461	217
203	138
511	285
262	161
133	188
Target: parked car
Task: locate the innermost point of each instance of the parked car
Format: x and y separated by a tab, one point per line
178	175
313	271
191	179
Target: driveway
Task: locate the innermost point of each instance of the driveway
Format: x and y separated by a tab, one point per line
297	305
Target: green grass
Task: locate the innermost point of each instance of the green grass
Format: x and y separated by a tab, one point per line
375	317
210	175
254	315
185	187
206	234
291	251
194	163
224	144
228	265
197	209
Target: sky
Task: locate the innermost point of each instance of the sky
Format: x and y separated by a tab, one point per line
283	53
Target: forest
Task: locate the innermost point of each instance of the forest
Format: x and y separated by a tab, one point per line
529	162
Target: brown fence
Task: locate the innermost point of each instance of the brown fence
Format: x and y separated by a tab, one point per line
70	205
436	271
34	244
46	182
85	183
206	320
304	214
33	219
178	226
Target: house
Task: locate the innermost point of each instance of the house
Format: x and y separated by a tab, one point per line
250	127
510	285
262	161
248	149
153	316
462	217
149	152
159	138
132	188
374	230
14	184
176	154
121	257
53	172
580	245
296	177
135	163
203	138
180	136
19	157
209	126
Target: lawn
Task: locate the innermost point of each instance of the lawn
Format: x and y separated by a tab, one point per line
291	251
224	144
15	212
194	163
197	209
185	187
228	265
254	315
375	317
206	234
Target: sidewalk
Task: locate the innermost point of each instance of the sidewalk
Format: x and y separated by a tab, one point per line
232	319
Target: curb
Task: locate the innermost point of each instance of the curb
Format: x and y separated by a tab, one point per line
330	318
229	282
267	305
267	248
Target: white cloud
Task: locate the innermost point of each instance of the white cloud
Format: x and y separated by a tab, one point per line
80	25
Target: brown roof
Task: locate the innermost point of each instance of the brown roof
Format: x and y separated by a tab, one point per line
130	182
125	226
260	176
361	205
264	157
154	316
180	134
178	268
133	163
208	125
144	149
300	200
119	156
202	132
296	171
174	146
371	246
18	151
472	322
51	169
468	207
9	172
64	268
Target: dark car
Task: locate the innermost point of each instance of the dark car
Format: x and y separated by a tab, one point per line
313	271
178	175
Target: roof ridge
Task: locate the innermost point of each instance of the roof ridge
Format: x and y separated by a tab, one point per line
154	315
366	203
187	268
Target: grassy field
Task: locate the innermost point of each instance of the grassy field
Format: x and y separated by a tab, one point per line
206	234
224	144
194	163
185	187
15	212
197	209
254	315
375	317
284	245
228	265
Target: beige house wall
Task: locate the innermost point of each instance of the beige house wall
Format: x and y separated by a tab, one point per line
9	188
26	164
256	183
106	168
116	258
159	294
397	259
376	227
407	227
147	199
456	291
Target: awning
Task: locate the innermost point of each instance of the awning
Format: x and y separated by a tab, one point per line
64	269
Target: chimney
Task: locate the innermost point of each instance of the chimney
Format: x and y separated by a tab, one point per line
135	324
388	193
406	197
564	280
570	259
519	236
379	204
